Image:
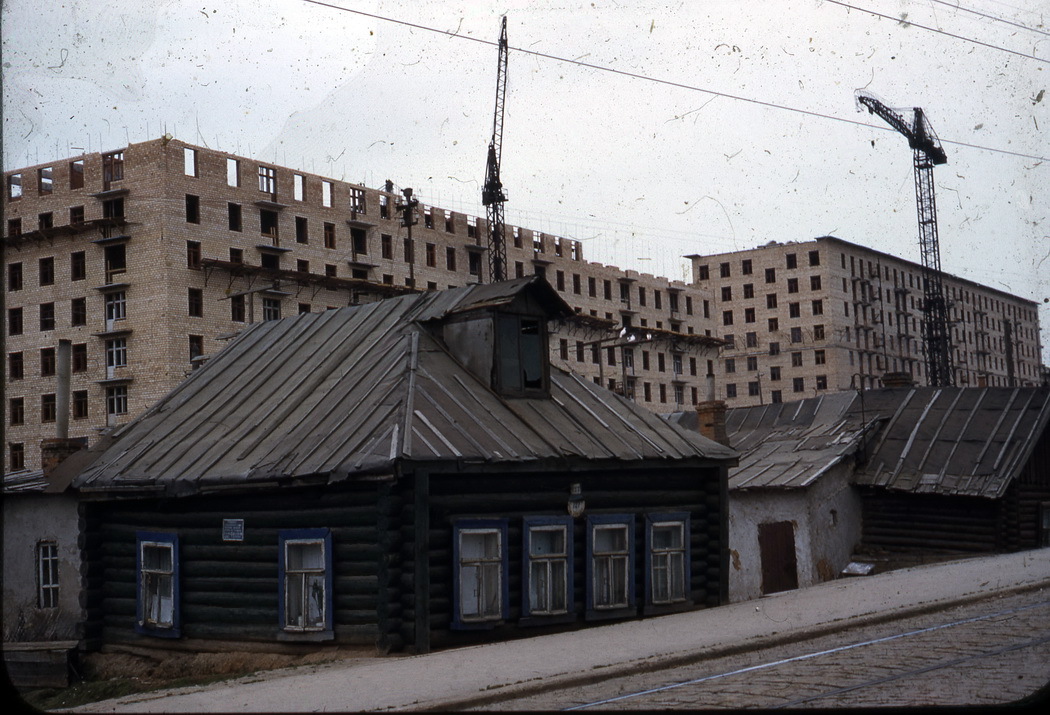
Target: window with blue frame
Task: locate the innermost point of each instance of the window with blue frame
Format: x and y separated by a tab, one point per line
667	558
305	571
157	591
547	567
479	589
610	564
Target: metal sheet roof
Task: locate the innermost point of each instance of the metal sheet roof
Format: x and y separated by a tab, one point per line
353	391
953	440
791	445
968	441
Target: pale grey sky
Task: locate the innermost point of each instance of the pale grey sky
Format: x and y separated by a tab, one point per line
642	172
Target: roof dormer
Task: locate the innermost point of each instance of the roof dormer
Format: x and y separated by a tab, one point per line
499	332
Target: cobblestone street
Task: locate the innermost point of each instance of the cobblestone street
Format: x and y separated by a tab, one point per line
991	652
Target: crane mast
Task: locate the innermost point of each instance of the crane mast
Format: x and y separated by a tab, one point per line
492	195
926	153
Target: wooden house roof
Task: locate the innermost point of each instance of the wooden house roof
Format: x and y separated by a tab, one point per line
354	391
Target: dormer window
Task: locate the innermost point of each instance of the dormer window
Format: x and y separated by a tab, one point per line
521	355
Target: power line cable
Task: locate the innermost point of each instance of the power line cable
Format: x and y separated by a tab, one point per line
670	83
940	32
956	6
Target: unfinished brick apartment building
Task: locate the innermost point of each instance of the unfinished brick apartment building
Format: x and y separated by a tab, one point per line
802	318
148	258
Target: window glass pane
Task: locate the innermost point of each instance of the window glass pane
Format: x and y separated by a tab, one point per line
610	538
475	545
667	536
558	590
480	573
539	586
543	542
304	555
156	558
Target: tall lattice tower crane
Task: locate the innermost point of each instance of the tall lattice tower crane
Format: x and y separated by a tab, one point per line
492	195
926	153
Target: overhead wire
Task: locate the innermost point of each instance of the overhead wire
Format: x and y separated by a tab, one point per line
958	6
940	32
670	83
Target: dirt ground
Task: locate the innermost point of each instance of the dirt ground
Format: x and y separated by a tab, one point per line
164	668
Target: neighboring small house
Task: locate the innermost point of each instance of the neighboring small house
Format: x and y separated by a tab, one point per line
42	615
958	470
794	518
891	476
407	473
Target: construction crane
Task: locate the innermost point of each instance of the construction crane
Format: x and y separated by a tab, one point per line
926	153
492	195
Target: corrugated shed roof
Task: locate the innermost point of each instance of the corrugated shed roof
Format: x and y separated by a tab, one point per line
953	440
354	390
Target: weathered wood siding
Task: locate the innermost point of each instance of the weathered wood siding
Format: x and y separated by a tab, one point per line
229	590
513	496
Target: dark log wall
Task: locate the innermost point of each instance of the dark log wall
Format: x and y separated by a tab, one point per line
229	590
513	496
905	522
1019	513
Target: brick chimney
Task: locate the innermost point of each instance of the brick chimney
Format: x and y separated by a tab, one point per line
53	451
711	420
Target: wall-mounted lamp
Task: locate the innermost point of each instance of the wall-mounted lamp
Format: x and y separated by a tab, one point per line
576	504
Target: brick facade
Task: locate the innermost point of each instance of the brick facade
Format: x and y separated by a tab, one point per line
807	317
194	244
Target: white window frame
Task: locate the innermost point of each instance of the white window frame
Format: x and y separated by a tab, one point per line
667	567
47	574
480	592
157	611
117	400
116	306
604	596
326	193
306	584
117	352
540	571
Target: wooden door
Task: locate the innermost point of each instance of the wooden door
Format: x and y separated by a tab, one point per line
776	544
